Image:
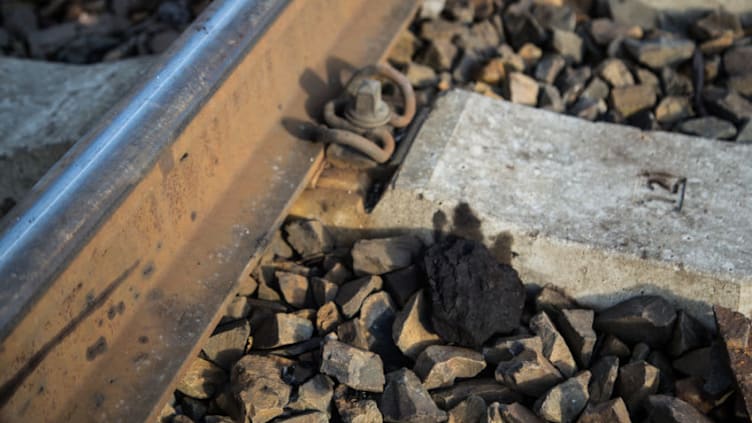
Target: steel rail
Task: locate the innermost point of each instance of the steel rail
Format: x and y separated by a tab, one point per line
118	265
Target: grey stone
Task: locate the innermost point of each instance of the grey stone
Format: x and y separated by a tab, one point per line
294	288
728	105
741	84
596	90
529	372
640	352
548	68
468	411
351	295
481	40
202	379
323	290
352	409
505	349
568	45
438	365
588	109
338	273
354	332
708	127
402	284
358	369
745	134
629	100
282	329
688	334
228	343
565	401
553	17
635	383
736	60
406	400
412	331
577	329
673	109
218	419
309	238
613	411
667	409
550	99
378	312
616	73
316	394
257	384
717	23
521	26
604	373
246	286
660	52
675	83
379	256
612	345
421	76
645	318
647	77
488	389
279	249
327	317
522	89
572	81
467	67
462	275
554	346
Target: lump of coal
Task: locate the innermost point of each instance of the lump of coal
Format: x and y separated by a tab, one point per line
473	296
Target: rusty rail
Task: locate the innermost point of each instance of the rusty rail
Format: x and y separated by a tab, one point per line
115	269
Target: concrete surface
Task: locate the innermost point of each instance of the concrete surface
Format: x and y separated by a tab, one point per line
46	107
565	200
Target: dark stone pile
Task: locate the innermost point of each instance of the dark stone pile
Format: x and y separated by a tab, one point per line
685	72
89	31
390	330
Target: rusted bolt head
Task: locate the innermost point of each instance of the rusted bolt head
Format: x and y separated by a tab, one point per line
367	109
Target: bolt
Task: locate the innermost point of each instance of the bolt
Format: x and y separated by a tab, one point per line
368	110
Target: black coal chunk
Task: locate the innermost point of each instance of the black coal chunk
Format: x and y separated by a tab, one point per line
473	296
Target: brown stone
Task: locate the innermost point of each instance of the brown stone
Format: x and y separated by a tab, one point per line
630	100
528	372
358	369
383	255
438	365
554	346
202	379
660	52
412	331
735	330
353	409
505	349
440	54
323	290
673	109
613	411
406	400
616	73
294	288
565	401
327	318
257	384
350	296
636	382
667	409
568	45
604	373
510	413
548	68
316	394
308	238
282	329
522	89
228	343
488	389
404	48
468	411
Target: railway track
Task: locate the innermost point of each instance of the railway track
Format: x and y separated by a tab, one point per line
117	266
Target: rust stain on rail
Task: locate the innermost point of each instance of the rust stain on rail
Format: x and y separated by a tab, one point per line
104	344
